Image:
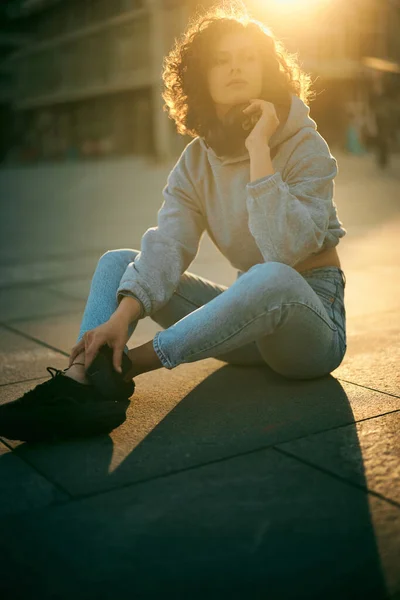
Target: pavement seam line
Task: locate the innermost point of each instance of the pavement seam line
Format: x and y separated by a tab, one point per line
71	311
33	339
326	471
57	485
367	387
43	282
50	257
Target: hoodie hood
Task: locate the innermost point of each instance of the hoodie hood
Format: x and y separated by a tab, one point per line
298	118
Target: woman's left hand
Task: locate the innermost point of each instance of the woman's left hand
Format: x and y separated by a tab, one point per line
267	123
113	332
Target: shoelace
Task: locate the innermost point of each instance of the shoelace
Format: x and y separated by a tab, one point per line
57	372
32	395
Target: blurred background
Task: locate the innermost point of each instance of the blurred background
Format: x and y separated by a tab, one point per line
86	147
82	78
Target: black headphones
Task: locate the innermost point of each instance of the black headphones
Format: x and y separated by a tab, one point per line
228	135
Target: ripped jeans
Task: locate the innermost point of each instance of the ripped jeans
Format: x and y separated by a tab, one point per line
293	322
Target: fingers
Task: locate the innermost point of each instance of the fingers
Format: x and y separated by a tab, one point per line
254	104
93	340
117	358
253	114
250	121
127	377
76	350
92	345
259	107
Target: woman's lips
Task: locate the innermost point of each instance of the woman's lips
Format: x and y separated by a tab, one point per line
237	83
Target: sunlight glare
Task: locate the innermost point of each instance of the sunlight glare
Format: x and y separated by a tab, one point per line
302	2
297	4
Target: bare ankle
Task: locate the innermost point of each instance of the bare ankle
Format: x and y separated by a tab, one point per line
77	372
144	359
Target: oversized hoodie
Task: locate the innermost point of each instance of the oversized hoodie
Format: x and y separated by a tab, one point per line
283	217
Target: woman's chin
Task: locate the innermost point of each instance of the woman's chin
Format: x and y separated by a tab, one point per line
238	93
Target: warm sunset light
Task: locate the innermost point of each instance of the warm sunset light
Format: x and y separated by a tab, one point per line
303	3
296	5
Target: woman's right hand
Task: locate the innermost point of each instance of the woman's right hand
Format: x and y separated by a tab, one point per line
113	332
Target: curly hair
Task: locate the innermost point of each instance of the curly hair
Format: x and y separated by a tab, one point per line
186	93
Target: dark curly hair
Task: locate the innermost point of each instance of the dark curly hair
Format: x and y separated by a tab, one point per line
186	92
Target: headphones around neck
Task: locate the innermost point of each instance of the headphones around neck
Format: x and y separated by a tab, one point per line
228	135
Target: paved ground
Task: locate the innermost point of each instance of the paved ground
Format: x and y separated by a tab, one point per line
224	482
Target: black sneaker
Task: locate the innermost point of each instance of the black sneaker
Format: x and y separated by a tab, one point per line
62	408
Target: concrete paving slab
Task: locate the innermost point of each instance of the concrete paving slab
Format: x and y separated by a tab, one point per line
23	359
366	453
48	270
255	526
197	413
366	196
371	263
373	352
77	288
22	487
83	206
32	302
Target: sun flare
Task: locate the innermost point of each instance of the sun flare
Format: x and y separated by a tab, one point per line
296	4
302	2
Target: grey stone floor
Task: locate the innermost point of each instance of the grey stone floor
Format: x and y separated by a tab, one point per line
224	481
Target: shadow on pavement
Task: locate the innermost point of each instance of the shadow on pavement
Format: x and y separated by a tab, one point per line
218	505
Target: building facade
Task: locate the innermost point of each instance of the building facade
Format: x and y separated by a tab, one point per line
88	83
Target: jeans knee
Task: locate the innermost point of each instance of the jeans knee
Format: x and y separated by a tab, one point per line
118	255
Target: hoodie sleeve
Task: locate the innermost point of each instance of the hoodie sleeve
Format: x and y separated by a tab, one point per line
166	249
289	219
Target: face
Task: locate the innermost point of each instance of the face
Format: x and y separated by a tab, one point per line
234	56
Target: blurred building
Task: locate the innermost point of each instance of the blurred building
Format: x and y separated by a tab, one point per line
87	80
88	83
10	41
332	38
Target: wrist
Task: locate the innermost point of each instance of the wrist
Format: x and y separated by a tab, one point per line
258	144
128	309
260	161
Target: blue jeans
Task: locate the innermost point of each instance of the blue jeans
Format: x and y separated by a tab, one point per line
293	322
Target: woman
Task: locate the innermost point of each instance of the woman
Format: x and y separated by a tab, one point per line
265	197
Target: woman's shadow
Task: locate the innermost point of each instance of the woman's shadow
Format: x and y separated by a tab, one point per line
229	477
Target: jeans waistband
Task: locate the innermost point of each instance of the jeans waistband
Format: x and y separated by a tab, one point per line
328	269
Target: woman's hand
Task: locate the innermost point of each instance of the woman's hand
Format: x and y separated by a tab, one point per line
267	123
113	332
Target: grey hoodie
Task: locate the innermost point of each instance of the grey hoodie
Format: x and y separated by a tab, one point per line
283	217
